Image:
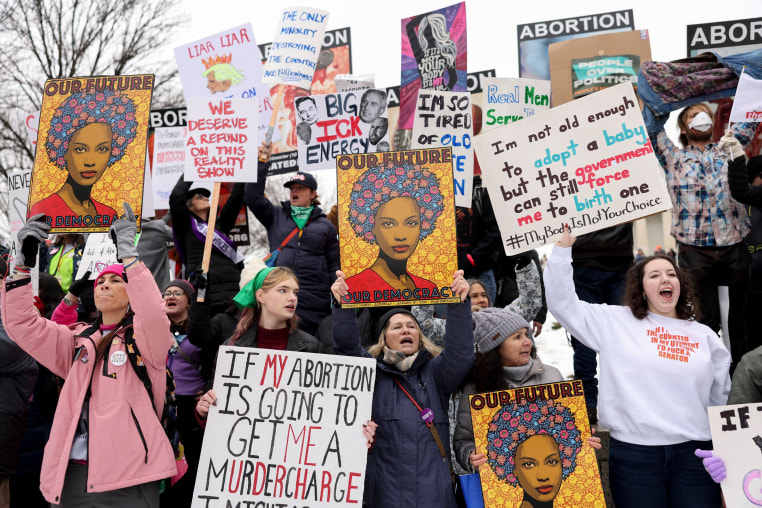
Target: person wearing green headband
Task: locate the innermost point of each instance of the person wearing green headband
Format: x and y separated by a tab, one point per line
266	319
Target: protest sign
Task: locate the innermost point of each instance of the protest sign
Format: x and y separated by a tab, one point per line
724	37
588	164
99	253
579	67
537	423
294	53
32	121
168	162
434	56
507	100
221	140
92	146
534	38
747	104
148	207
736	430
352	83
18	193
335	59
397	227
286	430
340	123
445	119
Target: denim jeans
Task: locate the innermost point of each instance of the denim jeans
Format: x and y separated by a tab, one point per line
487	277
669	476
593	286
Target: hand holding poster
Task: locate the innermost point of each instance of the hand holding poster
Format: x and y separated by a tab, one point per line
99	253
508	100
736	439
542	424
18	193
91	156
286	430
294	52
342	123
588	164
221	140
445	119
401	202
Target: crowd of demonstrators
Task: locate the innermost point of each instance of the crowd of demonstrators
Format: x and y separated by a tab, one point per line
707	223
655	422
409	463
300	237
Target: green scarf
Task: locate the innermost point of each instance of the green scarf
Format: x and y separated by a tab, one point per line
247	296
301	214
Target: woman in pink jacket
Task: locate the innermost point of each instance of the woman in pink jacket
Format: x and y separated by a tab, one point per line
107	447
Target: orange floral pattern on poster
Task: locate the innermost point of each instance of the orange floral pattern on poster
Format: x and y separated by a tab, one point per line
366	182
69	105
517	420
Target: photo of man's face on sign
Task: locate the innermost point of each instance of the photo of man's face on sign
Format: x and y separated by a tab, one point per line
397	227
93	138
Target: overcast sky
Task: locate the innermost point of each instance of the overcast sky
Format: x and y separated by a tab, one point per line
491	25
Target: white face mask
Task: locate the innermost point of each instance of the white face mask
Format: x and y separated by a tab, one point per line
701	122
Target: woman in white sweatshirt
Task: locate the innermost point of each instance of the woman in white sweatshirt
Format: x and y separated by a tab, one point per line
659	370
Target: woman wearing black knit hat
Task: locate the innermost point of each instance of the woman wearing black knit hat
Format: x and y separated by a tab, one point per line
408	464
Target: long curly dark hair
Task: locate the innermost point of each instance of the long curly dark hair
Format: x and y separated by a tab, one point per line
687	304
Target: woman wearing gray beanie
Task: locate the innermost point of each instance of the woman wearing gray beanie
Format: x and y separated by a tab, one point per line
505	359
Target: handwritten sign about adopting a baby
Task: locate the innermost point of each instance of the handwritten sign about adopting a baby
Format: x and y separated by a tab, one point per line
588	164
286	430
736	431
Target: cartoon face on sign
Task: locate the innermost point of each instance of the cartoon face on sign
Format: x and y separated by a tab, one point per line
220	73
534	446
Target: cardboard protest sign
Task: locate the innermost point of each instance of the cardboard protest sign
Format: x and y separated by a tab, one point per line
445	119
341	123
736	430
352	83
92	146
508	100
588	164
397	227
168	162
579	67
747	104
548	427
99	253
148	207
294	53
335	59
534	38
286	430
226	64
434	56
18	193
221	140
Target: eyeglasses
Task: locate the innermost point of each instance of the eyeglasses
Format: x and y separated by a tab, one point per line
176	294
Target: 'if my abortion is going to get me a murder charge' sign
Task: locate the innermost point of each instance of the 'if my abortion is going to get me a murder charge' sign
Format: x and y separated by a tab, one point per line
286	430
588	164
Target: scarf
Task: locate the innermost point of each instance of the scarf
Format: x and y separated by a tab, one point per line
517	374
398	359
301	214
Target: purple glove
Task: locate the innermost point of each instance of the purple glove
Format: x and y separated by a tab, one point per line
713	465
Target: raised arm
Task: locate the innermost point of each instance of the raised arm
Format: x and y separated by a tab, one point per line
232	208
259	205
529	301
346	332
458	356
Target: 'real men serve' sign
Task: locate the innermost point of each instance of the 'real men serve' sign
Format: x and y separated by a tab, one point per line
588	164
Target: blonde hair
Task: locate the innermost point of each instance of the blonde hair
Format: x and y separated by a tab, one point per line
250	316
423	343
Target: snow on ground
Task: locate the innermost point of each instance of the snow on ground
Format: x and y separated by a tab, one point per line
554	349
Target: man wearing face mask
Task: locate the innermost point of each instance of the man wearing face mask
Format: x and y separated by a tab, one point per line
708	224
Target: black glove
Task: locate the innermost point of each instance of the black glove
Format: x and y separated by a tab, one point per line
123	232
30	236
198	281
80	285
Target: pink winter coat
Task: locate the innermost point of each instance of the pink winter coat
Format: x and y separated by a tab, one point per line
127	444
